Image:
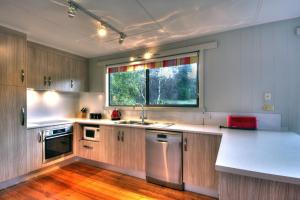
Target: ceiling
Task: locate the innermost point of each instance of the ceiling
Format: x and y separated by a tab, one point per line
146	22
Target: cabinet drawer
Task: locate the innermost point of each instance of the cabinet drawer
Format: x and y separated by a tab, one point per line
89	150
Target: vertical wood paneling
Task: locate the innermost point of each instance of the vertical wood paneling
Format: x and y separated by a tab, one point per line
34	150
236	187
199	160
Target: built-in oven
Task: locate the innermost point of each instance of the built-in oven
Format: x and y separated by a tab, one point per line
57	142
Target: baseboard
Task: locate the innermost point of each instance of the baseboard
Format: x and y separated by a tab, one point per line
138	174
201	190
44	170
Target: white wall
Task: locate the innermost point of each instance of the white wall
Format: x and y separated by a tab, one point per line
43	105
247	63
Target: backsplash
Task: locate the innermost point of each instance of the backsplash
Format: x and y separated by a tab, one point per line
95	102
43	105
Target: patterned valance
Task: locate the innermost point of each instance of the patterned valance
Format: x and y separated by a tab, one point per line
177	61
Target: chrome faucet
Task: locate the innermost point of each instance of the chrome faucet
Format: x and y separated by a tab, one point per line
142	115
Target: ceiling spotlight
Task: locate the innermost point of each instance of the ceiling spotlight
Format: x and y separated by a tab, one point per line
132	59
147	55
102	31
71	10
122	38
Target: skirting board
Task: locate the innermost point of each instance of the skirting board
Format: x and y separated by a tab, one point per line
137	174
200	190
34	174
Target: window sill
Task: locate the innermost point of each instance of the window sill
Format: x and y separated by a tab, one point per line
171	109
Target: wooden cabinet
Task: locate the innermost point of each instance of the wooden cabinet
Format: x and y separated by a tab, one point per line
34	149
55	70
132	149
199	157
12	58
78	75
37	59
124	147
12	132
119	146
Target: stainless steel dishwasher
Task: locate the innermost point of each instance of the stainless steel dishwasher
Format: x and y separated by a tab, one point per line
164	158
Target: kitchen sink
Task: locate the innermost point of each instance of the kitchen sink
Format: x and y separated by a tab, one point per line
135	122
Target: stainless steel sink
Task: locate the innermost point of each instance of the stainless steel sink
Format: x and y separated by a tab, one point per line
135	122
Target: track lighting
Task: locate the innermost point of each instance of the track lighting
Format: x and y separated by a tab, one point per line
122	38
74	7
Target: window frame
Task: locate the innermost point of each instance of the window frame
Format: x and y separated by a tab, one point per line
199	102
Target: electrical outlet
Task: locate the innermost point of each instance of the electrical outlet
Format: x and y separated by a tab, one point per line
268	107
268	96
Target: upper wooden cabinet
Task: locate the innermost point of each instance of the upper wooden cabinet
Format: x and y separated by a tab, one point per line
55	70
199	157
78	74
12	58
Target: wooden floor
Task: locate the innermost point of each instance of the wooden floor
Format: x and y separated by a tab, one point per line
81	181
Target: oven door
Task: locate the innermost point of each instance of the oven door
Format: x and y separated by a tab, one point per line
56	146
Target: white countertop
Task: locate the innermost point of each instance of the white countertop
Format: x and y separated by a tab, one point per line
159	125
261	154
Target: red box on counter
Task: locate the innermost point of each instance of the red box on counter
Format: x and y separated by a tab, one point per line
242	122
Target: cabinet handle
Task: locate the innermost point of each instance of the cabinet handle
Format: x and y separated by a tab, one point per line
87	147
49	81
22	116
22	75
122	137
118	135
40	137
72	83
45	81
185	144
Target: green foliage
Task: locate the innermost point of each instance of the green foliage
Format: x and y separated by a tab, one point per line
167	86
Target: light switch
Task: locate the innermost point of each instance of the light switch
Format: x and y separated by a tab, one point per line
268	96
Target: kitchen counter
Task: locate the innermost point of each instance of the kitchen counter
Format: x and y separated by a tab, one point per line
261	154
161	126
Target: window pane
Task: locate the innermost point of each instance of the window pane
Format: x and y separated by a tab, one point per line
174	85
127	88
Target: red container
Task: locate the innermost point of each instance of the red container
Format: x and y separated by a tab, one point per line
242	122
115	115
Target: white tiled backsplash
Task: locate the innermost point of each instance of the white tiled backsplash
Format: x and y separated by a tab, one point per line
96	103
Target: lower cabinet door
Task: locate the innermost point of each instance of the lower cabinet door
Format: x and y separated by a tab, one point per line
34	149
199	158
132	149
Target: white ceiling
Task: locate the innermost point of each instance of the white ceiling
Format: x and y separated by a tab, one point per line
146	22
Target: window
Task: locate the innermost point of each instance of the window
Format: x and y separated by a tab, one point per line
165	83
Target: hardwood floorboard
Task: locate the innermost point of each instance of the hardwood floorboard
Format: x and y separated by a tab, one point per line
79	181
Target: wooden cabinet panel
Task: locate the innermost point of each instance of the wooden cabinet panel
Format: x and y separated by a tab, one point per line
12	132
63	71
34	150
132	149
89	150
78	75
110	153
12	58
199	159
58	71
37	60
